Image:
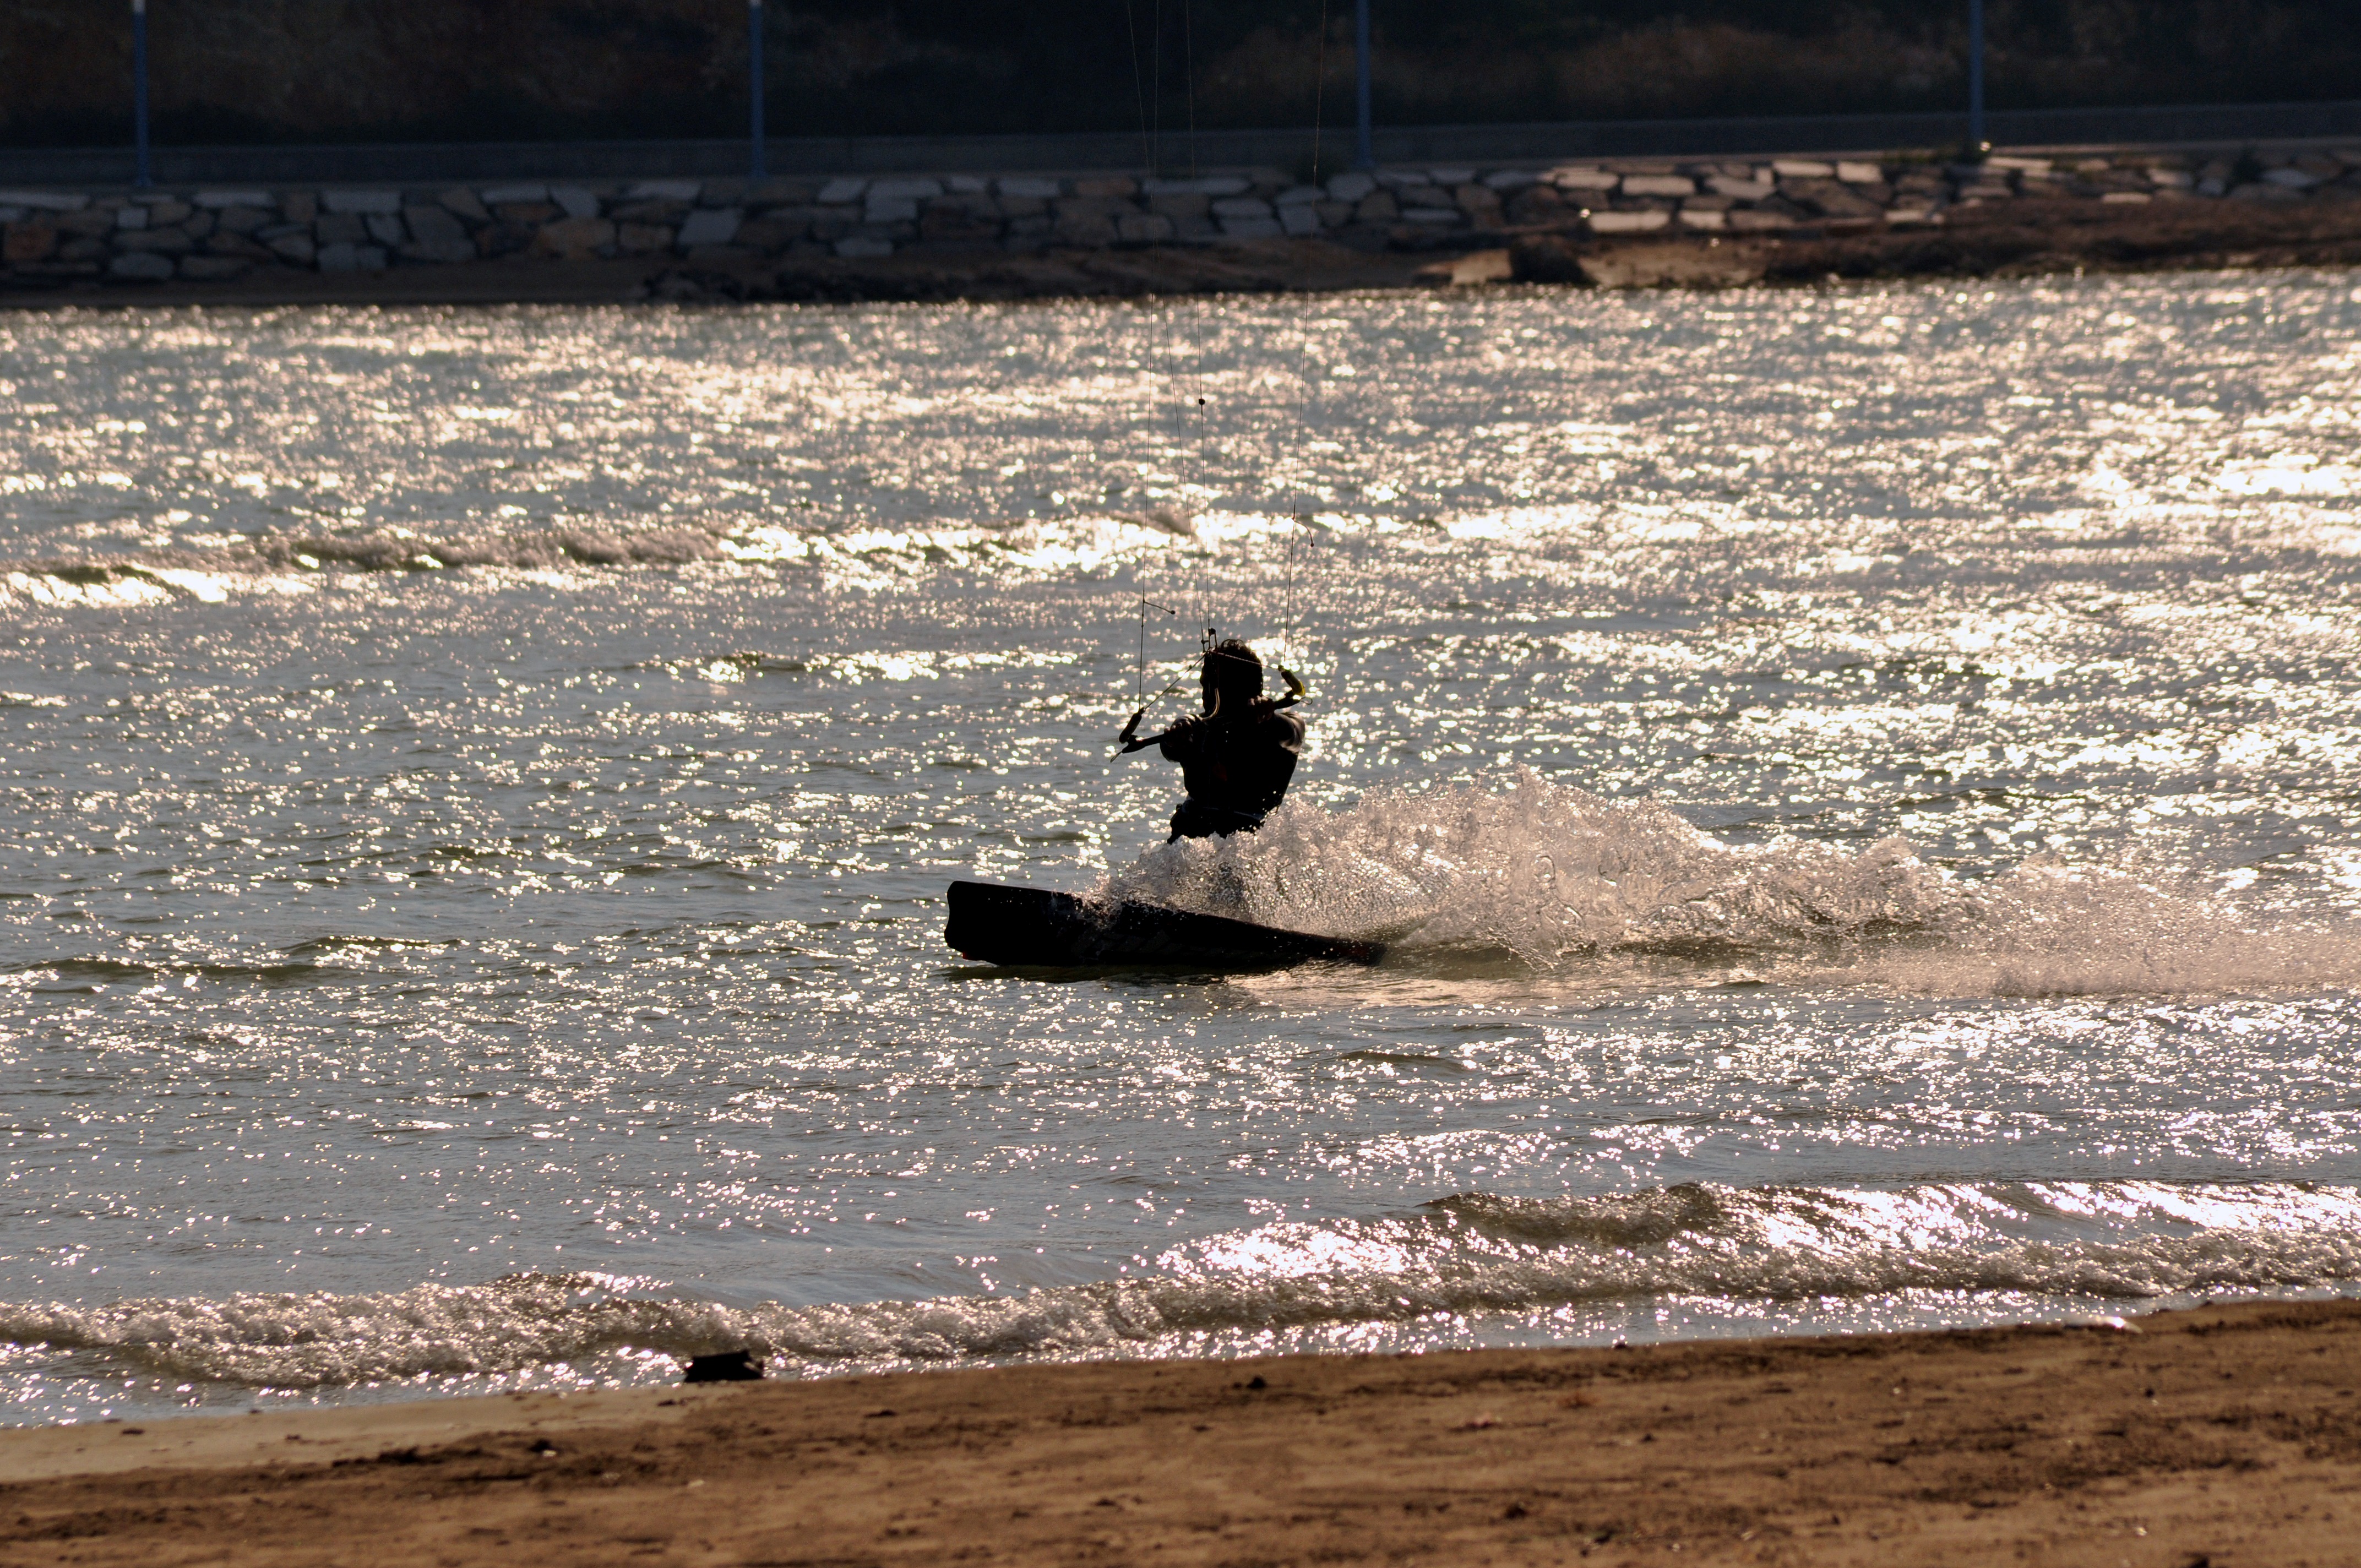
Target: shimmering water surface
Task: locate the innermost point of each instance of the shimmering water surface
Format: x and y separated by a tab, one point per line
1859	784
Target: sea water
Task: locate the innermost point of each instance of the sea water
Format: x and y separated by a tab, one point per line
1858	784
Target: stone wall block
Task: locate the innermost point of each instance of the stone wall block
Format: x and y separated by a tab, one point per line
515	195
502	238
246	220
462	202
214	268
79	248
1106	188
1586	181
837	191
23	244
298	206
1251	228
1802	169
168	242
642	239
1478	202
771	235
1659	185
229	244
1351	187
860	247
1144	228
131	217
217	200
294	246
709	225
1507	180
576	239
684	191
660	210
1298	219
889	210
574	201
1181	206
44	200
1376	207
341	228
1028	188
160	209
386	228
1537	204
361	201
527	212
903	191
1241	207
439	252
140	266
435	225
1335	214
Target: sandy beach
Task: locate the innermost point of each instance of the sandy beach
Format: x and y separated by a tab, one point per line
2216	1436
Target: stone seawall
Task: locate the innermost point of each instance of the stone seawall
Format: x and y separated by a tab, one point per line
115	242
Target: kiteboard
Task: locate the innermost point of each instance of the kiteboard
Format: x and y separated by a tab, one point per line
1035	928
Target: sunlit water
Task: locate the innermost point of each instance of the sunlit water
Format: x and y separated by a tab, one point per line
1860	784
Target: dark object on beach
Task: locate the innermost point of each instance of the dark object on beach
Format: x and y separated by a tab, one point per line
1033	927
729	1367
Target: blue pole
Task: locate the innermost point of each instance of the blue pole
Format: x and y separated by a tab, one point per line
143	175
1365	154
1976	74
755	53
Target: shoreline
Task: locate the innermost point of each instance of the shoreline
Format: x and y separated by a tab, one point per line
2217	1435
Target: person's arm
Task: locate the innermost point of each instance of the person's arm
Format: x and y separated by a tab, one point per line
1296	690
1131	740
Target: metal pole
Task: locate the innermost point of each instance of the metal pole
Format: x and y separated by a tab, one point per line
143	175
1976	75
1365	154
755	53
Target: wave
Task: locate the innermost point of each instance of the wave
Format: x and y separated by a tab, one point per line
1465	1256
1569	882
281	562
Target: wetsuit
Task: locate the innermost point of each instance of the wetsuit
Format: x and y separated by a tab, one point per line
1237	771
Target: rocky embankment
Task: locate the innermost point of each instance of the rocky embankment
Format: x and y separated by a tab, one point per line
1042	234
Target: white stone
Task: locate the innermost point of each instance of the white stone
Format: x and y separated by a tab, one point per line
1037	189
1451	176
141	266
1705	220
889	211
861	244
663	191
1402	179
1914	212
1511	178
1351	187
837	191
1754	221
1251	228
1802	169
577	203
1241	207
2022	165
710	226
966	184
1658	185
2294	179
905	189
1743	190
1627	223
361	201
131	217
1297	196
508	195
1298	219
1584	179
44	200
1440	216
219	199
342	257
2179	178
1861	174
2125	198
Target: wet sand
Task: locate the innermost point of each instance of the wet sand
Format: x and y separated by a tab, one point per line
2001	239
2216	1437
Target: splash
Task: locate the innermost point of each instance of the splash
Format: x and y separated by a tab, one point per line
1571	883
1471	1255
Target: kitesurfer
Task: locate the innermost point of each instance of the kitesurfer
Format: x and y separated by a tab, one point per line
1237	757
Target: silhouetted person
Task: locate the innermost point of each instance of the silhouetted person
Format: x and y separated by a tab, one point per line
1237	759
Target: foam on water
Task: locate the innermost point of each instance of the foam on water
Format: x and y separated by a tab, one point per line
1574	884
1472	1255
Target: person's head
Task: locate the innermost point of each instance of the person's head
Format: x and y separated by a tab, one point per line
1231	677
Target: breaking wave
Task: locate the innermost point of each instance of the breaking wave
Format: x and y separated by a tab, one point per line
1468	1256
1571	883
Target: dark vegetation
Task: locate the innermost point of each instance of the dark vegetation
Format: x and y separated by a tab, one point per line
263	71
